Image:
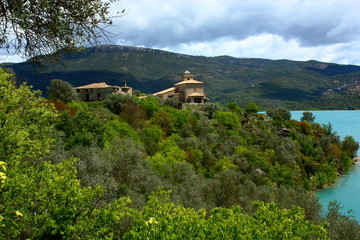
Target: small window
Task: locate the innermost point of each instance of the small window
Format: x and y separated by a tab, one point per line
197	100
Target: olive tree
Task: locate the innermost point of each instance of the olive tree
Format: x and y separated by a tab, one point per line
279	114
308	116
252	108
61	90
39	27
114	101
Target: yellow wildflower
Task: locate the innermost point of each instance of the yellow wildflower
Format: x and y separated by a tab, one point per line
18	214
151	221
2	177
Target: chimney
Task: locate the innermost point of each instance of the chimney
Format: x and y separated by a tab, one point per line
125	84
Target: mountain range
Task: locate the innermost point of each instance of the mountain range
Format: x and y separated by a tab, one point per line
269	83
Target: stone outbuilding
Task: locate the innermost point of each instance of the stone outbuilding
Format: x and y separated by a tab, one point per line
188	90
98	91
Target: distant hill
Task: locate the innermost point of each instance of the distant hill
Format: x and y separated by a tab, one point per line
269	83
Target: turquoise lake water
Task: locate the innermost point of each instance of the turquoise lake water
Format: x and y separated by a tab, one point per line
347	189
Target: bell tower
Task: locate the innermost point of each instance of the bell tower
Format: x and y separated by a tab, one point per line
187	76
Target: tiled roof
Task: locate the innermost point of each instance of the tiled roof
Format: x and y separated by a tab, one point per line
165	91
96	85
188	81
197	94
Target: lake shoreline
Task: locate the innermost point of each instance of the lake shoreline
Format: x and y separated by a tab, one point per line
346	187
356	162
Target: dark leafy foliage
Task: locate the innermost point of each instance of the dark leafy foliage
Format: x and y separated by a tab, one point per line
279	114
62	91
308	116
83	129
114	101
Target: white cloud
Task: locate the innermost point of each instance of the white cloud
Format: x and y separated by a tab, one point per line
271	47
290	29
6	57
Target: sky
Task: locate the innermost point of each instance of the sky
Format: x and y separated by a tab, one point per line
323	30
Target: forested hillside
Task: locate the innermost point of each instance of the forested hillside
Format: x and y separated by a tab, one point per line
268	83
138	168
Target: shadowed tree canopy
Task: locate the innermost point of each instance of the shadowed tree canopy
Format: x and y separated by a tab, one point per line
279	114
61	90
308	116
252	108
39	27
